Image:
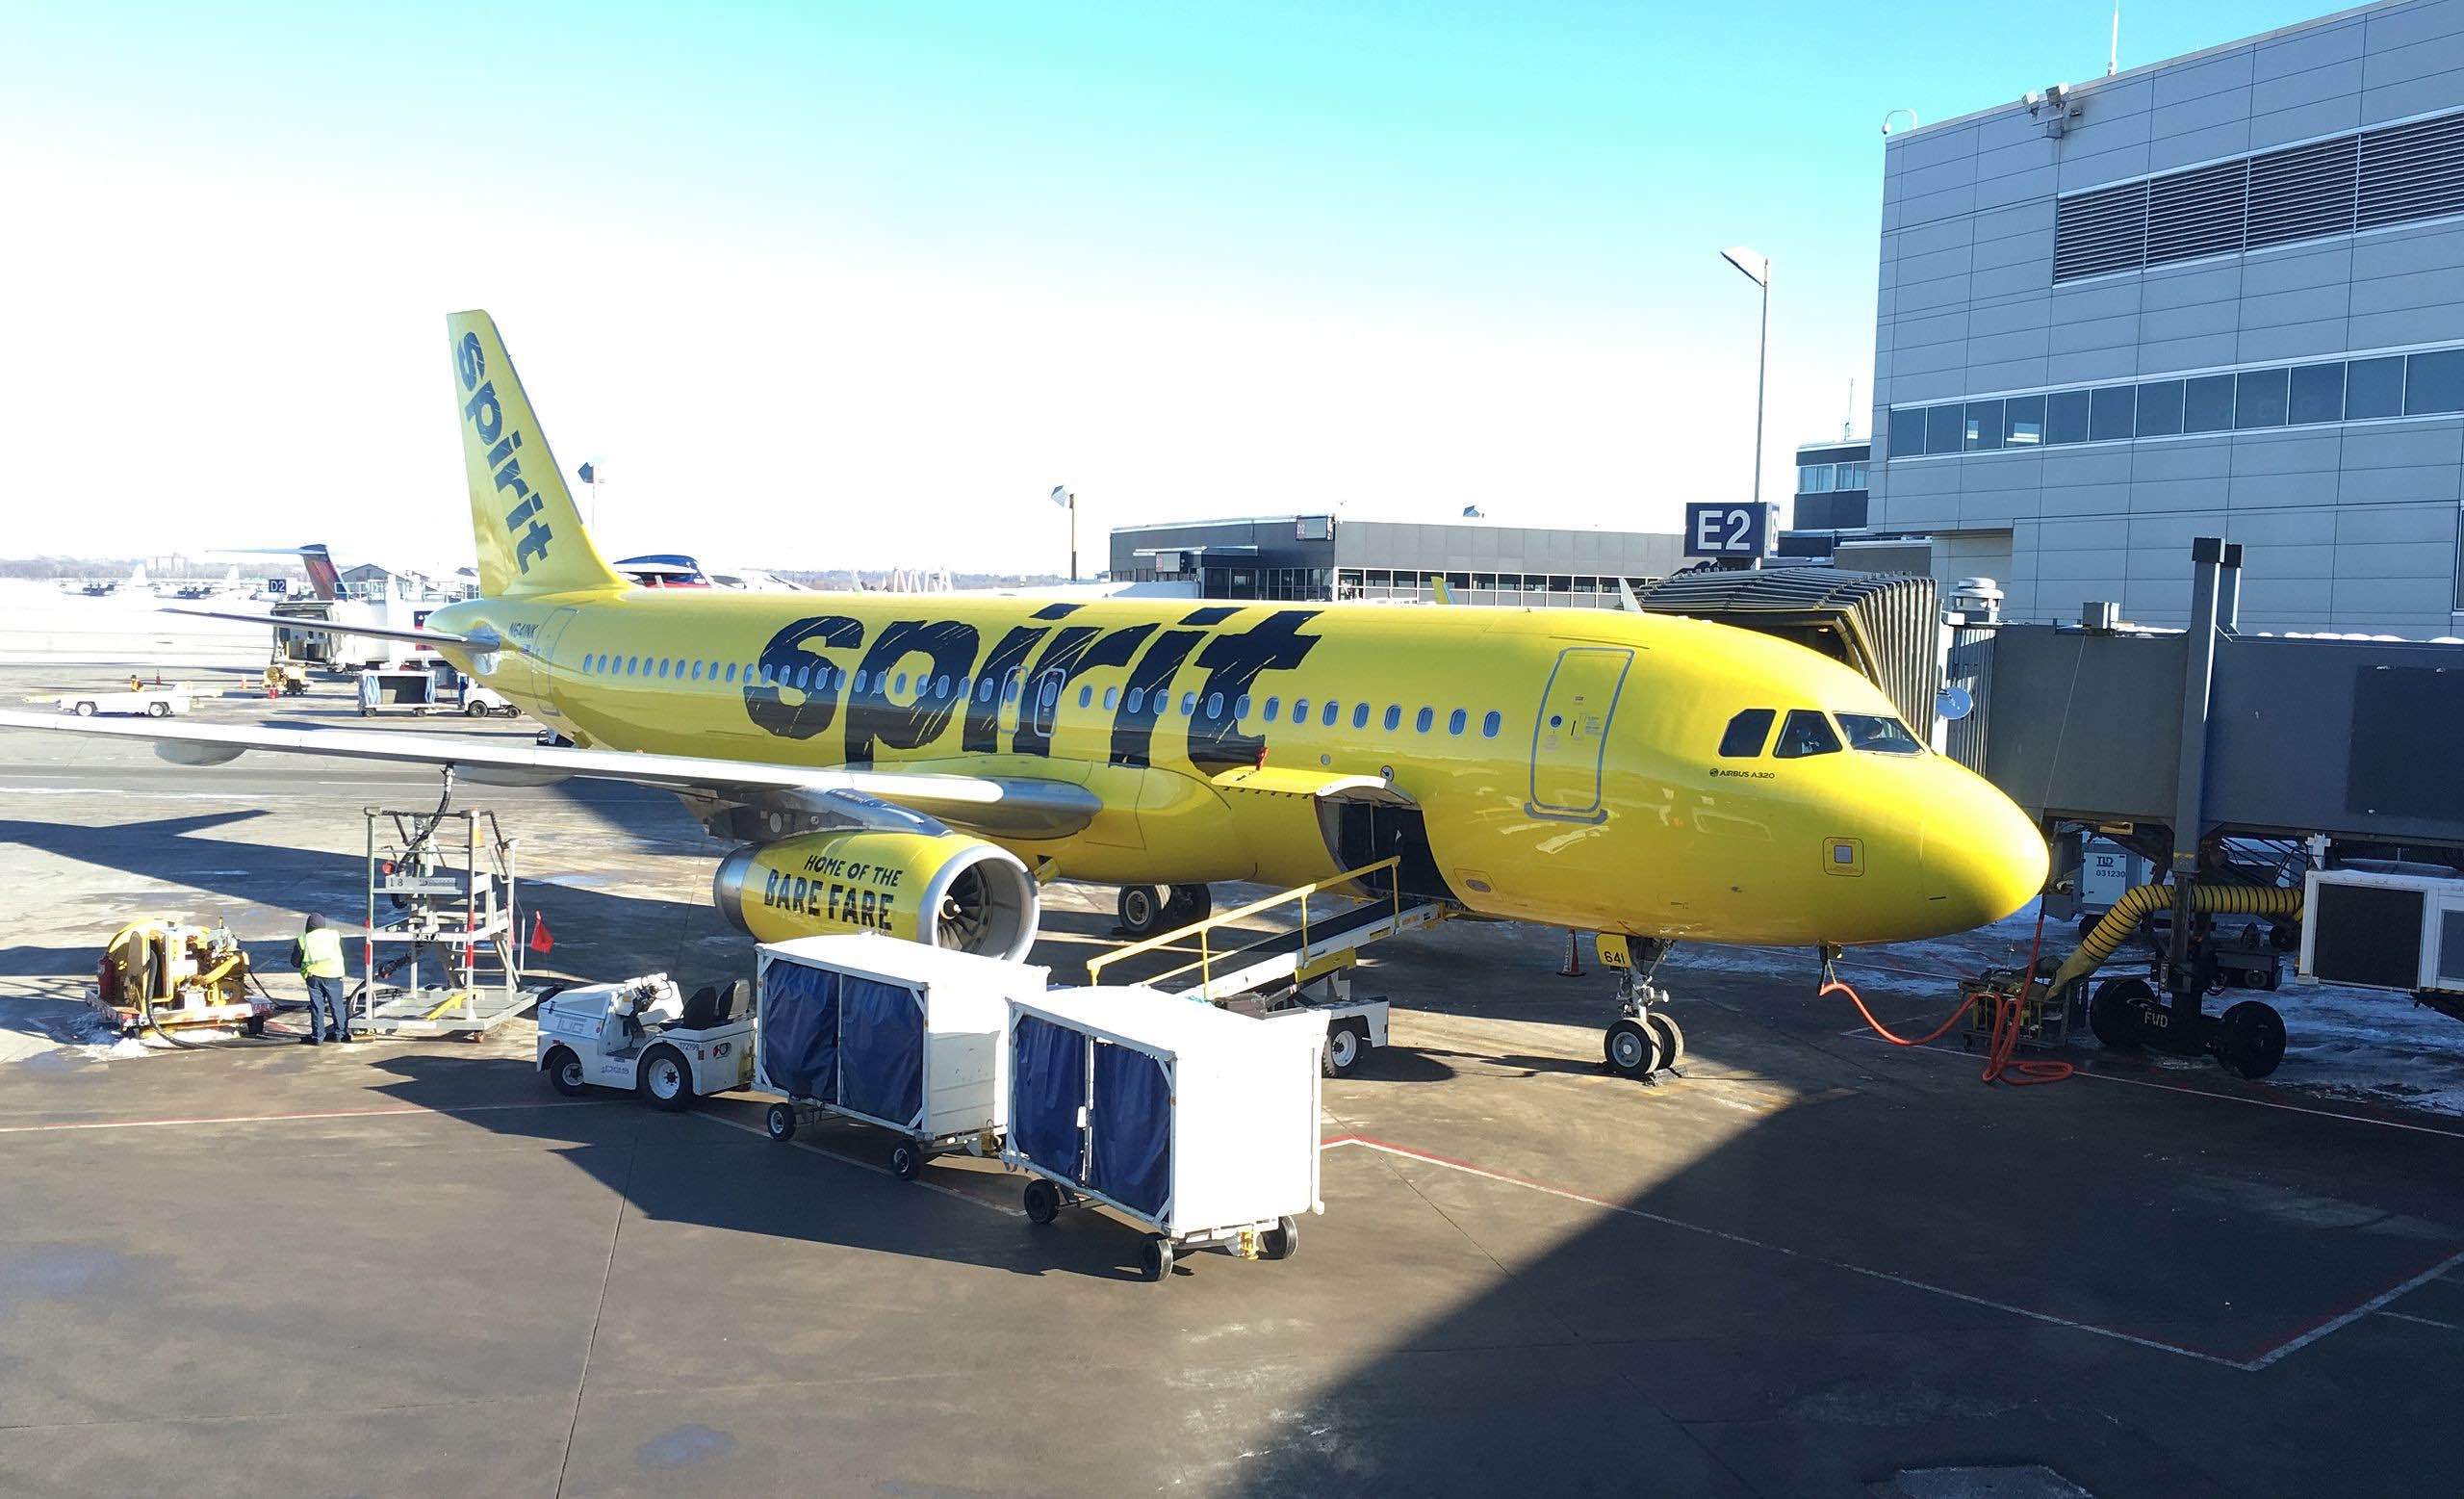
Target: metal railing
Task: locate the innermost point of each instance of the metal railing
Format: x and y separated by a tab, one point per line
1205	964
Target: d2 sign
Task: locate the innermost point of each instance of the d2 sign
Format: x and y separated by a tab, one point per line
1731	530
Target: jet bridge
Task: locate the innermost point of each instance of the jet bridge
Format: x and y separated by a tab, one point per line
2197	747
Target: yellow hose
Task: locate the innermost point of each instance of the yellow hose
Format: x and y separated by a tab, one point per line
2141	901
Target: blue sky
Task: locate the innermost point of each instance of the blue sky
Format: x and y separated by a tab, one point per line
826	284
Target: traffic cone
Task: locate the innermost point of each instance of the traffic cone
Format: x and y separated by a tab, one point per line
1573	955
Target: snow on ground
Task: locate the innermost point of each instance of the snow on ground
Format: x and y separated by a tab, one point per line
2351	1044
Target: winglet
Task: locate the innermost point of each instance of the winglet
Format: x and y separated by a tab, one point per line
529	535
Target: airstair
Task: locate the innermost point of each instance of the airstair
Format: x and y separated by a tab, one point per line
1276	975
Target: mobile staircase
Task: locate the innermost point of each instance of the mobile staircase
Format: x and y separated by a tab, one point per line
1304	970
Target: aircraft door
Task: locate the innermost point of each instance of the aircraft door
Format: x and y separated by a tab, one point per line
541	659
1571	738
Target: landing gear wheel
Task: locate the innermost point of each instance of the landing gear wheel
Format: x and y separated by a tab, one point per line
666	1081
564	1072
1630	1048
1140	911
1155	1259
1670	1039
780	1124
1347	1047
1043	1201
2250	1039
1282	1241
254	1025
1188	904
907	1160
2117	1010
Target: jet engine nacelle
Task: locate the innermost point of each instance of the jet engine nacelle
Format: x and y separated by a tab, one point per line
945	890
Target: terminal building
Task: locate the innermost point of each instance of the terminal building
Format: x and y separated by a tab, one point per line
1326	558
2222	296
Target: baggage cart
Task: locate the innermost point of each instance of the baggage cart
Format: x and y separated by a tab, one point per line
1194	1123
893	1034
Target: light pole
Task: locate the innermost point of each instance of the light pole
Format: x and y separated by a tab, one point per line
1757	269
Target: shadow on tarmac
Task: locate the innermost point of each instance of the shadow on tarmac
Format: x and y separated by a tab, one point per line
706	1173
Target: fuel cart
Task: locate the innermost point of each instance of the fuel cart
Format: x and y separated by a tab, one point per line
1196	1123
895	1034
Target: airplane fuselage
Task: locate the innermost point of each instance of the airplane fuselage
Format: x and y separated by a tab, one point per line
1563	766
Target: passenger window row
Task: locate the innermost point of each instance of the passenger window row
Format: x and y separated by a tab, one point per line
1807	731
821	677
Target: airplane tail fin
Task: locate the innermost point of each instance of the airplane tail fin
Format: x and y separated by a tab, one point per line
530	536
323	579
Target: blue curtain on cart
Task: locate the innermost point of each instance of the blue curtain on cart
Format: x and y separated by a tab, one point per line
881	1050
800	1031
1047	1087
1130	1128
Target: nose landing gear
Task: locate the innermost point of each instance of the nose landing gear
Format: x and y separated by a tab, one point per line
1644	1039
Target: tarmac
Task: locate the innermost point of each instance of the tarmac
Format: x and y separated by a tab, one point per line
1812	1264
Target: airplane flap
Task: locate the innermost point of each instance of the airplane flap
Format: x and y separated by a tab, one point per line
1284	781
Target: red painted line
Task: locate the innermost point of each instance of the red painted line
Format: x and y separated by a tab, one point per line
1861	1033
277	1119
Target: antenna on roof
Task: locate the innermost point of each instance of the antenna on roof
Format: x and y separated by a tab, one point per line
2112	57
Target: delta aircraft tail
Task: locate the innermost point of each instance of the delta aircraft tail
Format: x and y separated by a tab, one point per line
529	535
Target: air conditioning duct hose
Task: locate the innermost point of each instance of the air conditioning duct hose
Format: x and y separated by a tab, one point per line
2142	901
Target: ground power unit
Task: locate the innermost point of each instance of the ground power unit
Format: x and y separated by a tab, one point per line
2373	930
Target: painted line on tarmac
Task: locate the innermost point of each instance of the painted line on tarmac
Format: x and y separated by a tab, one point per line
2033	1316
2426	1322
2377	1303
1861	1033
283	1119
860	1164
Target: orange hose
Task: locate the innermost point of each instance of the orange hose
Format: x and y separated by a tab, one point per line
2004	1039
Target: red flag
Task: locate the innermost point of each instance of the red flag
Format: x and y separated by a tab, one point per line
540	943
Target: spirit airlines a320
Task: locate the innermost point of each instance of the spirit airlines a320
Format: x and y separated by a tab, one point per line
924	766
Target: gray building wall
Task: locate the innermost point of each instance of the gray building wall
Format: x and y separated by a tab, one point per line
2349	526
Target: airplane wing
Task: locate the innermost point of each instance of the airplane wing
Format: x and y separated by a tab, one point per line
422	635
1000	806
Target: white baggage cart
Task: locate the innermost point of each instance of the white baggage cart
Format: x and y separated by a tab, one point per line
1194	1123
891	1033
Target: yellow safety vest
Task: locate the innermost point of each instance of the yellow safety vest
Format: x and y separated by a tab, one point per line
320	953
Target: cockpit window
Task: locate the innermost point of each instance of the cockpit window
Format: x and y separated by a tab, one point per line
1806	733
1747	734
1878	733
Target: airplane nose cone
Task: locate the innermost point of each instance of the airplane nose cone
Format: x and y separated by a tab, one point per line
1983	858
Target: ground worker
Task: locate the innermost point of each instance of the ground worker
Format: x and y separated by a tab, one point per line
136	684
317	955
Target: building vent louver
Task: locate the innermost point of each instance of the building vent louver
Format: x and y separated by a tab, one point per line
2191	214
2303	194
2366	180
2101	231
2412	171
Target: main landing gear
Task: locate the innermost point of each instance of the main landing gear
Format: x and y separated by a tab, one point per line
1146	910
1644	1039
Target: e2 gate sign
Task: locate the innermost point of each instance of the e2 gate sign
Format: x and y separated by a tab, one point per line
1731	530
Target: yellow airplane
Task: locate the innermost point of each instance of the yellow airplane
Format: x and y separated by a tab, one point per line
923	764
